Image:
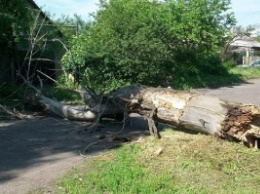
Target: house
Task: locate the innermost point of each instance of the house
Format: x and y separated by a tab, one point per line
244	49
46	55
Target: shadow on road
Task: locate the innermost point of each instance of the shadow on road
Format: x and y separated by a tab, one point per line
45	140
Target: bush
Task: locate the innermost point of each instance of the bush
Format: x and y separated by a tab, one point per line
148	42
229	64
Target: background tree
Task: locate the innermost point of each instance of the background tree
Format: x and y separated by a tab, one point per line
70	26
250	30
150	42
15	18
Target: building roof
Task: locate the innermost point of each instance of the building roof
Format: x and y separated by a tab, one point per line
244	41
42	14
48	21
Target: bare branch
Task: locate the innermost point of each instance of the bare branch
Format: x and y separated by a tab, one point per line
39	59
48	77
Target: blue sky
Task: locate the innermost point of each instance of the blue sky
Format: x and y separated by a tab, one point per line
246	11
68	7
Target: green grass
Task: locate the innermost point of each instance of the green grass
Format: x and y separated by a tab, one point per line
117	172
201	80
246	73
61	94
189	163
13	95
204	80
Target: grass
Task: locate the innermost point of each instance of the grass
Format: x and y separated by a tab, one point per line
201	80
189	163
13	95
205	80
61	94
246	73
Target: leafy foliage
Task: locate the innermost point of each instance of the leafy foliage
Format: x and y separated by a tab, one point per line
149	42
69	26
10	26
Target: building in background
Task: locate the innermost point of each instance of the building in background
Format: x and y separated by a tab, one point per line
244	50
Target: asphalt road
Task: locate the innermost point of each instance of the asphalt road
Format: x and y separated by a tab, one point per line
35	152
248	92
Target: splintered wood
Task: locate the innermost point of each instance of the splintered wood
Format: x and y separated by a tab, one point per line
242	123
227	120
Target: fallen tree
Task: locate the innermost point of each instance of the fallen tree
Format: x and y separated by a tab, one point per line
224	119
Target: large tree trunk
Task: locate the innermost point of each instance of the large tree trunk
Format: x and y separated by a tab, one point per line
228	120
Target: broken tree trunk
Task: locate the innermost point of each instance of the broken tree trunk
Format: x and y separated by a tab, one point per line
79	113
227	120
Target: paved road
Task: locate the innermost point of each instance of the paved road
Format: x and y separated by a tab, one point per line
248	92
35	152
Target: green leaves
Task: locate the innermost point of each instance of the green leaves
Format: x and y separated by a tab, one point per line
15	17
142	41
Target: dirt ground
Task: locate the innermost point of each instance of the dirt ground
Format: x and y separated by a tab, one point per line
35	152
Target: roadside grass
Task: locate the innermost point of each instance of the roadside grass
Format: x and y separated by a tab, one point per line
13	96
206	80
62	94
246	72
234	75
188	163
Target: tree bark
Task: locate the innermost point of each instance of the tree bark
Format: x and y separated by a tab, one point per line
227	120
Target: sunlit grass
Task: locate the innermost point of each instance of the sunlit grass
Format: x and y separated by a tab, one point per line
188	163
246	73
201	80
